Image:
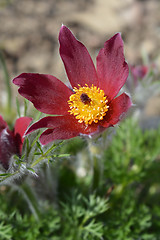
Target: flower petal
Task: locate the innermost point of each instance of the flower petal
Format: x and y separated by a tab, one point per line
57	133
20	127
61	127
47	93
3	124
112	69
7	147
77	61
118	107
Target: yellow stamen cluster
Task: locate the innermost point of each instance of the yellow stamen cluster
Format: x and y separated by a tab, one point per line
88	104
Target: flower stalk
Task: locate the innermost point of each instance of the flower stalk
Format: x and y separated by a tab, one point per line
94	152
7	83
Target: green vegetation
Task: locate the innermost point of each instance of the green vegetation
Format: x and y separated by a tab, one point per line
62	203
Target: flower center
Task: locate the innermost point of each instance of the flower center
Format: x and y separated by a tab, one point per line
85	99
88	104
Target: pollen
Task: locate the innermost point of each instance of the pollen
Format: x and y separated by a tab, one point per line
88	104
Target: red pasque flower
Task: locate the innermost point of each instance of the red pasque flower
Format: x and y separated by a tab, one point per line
11	142
90	106
138	72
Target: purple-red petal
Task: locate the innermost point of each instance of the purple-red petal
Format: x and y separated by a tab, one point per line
61	127
112	69
117	108
20	127
3	124
77	61
57	133
47	93
7	147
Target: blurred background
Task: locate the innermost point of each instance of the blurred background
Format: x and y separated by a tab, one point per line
29	33
29	30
